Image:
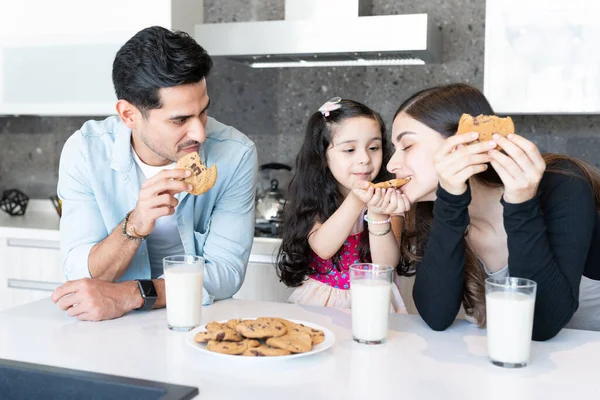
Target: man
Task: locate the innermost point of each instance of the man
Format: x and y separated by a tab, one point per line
125	206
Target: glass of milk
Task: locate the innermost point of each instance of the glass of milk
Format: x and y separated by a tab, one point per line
509	313
184	277
371	295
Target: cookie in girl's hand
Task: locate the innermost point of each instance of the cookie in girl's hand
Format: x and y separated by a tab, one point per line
391	184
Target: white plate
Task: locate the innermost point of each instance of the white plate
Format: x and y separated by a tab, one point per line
327	343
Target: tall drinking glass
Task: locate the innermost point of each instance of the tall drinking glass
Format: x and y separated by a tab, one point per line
184	277
509	313
371	294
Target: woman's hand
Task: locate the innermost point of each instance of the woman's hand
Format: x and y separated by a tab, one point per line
381	201
520	169
455	162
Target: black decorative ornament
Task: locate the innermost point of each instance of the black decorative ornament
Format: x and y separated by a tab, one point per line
14	202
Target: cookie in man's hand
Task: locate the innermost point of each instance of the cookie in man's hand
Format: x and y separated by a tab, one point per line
202	178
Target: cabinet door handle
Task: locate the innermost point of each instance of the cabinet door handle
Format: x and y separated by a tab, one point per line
261	264
32	243
32	285
261	259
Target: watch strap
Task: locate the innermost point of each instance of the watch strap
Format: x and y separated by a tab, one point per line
148	292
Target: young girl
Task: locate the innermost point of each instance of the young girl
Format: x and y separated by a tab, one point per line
482	212
324	220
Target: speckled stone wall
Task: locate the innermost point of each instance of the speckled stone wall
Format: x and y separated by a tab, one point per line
272	105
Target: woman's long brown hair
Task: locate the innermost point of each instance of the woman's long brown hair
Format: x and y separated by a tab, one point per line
440	108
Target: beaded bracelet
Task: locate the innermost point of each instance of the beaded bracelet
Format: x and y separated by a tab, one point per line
376	222
128	236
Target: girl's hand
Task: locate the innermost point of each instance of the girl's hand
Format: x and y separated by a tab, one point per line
363	191
381	201
520	169
455	163
388	202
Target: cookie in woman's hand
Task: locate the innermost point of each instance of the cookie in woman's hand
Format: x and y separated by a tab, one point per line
486	126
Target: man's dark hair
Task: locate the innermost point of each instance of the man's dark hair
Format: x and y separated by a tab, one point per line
157	58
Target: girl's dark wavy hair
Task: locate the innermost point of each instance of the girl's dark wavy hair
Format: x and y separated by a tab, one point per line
313	194
440	108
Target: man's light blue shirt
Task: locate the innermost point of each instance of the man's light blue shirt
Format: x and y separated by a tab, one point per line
98	184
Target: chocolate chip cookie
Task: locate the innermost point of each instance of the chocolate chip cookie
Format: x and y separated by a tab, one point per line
202	178
486	126
296	342
261	328
232	348
265	351
317	335
220	332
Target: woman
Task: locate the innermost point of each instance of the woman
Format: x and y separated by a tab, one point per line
482	212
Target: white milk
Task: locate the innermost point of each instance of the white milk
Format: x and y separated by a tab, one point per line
184	296
509	326
370	308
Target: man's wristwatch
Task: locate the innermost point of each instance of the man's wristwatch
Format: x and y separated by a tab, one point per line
148	292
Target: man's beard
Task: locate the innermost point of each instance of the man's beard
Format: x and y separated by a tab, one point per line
189	143
157	151
162	153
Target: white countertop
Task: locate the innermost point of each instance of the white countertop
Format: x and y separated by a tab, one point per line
40	222
416	363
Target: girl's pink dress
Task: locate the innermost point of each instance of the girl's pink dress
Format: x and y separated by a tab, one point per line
330	286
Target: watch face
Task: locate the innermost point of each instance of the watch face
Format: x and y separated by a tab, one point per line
148	288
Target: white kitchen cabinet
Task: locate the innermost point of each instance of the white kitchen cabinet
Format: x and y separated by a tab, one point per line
30	269
261	281
541	56
30	261
56	56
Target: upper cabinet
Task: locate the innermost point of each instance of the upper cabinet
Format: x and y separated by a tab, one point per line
541	56
56	56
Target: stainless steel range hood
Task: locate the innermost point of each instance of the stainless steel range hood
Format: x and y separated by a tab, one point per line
325	33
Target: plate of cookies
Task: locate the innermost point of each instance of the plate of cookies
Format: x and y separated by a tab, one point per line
262	337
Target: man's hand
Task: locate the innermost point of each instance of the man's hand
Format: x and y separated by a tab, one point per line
97	299
157	199
110	258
